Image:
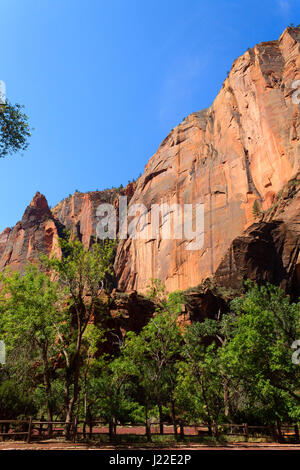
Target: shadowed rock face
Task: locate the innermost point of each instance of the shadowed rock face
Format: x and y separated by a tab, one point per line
269	250
245	147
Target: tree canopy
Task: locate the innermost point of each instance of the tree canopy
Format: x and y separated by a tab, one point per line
14	129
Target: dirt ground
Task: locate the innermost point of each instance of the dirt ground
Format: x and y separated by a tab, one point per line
63	445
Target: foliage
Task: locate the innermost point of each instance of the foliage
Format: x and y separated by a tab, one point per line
256	209
14	129
149	359
82	274
30	317
14	403
236	367
259	352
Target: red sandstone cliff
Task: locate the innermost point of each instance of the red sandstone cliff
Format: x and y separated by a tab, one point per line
36	233
245	147
39	229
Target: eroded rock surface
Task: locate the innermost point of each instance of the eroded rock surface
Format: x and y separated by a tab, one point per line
245	147
35	234
269	250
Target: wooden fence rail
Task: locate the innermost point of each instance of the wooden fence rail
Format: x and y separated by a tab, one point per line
35	429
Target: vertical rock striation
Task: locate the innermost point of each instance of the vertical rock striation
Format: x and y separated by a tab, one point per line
243	148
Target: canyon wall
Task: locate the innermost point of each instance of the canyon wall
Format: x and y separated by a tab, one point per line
244	148
39	229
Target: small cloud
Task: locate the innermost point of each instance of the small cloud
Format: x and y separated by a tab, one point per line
284	7
179	83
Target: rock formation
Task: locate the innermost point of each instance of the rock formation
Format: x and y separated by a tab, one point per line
242	152
36	233
39	229
242	149
269	250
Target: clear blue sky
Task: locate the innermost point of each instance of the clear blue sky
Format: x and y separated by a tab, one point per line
104	81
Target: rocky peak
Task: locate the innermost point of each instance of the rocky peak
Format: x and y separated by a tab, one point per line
39	229
37	211
35	234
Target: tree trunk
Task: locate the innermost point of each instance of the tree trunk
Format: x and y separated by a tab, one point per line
226	396
161	422
279	433
72	400
90	421
75	425
111	431
273	432
181	426
174	419
296	428
47	384
84	408
148	430
215	429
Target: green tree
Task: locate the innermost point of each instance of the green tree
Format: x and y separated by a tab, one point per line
30	314
259	354
15	402
14	129
112	395
200	385
256	209
82	274
151	356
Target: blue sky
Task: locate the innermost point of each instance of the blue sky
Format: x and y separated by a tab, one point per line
104	81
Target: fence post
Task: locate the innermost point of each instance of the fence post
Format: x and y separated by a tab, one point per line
181	427
29	430
75	428
296	428
246	431
215	429
273	432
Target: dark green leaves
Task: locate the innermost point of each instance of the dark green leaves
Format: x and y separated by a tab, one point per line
14	129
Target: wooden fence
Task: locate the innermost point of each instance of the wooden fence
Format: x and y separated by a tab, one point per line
36	429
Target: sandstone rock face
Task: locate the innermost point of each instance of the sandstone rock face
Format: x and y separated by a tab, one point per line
40	228
77	213
36	233
245	147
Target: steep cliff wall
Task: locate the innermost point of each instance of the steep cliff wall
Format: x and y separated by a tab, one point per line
245	147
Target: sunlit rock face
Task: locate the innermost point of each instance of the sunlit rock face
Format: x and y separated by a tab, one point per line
35	234
40	228
243	148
